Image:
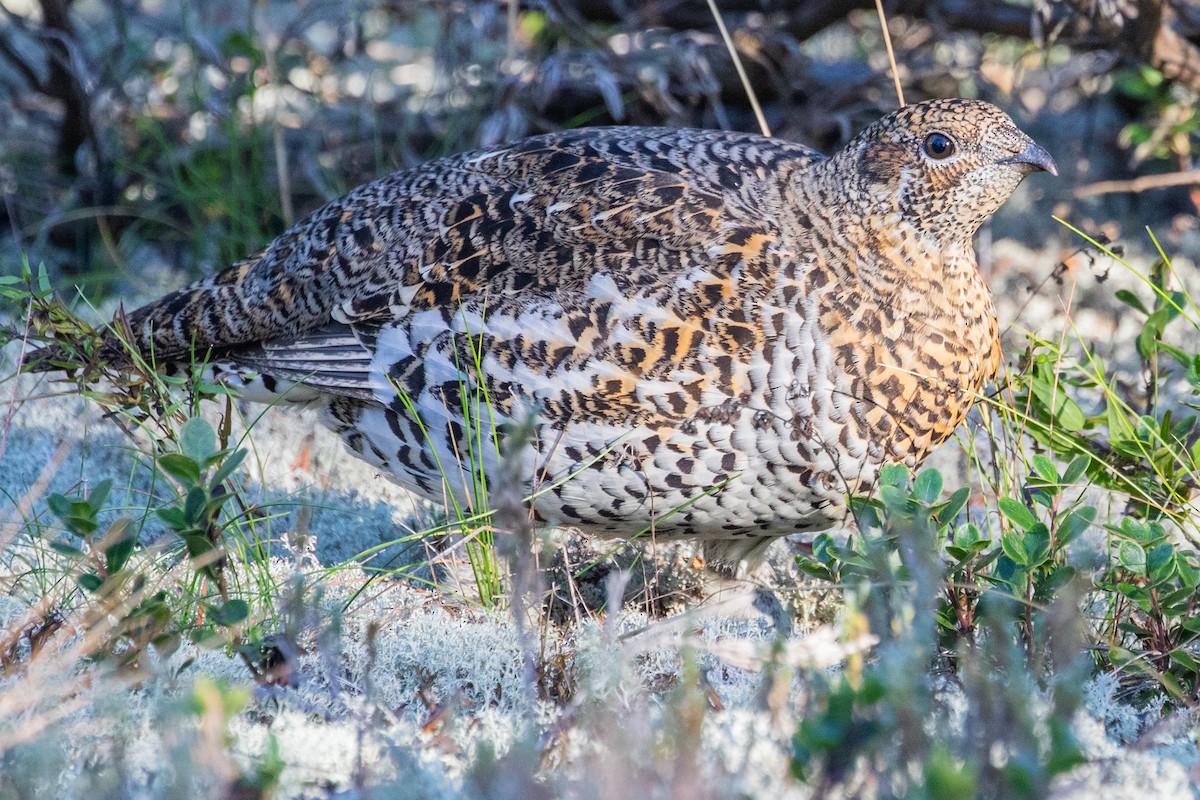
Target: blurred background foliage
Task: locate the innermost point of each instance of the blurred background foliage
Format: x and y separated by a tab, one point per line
145	142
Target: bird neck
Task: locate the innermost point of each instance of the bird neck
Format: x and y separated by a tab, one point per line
890	256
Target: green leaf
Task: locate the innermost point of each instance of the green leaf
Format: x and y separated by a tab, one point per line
1147	429
67	550
227	468
895	498
1189	573
197	440
1174	602
820	547
1017	513
1152	330
893	475
967	535
866	512
1036	544
60	505
1020	778
1075	470
1043	497
43	280
950	510
174	518
205	636
167	644
1120	432
947	779
1045	469
1181	429
193	506
180	467
1063	410
1132	300
928	486
1009	573
1054	580
1121	657
214	504
1075	523
90	582
1185	659
1132	557
1160	562
122	541
813	569
1171	684
1138	594
1136	530
231	613
100	494
1014	547
1181	356
81	526
196	543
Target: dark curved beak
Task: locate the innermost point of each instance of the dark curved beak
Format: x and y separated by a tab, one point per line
1035	157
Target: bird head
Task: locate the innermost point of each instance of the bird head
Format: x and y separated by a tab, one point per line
944	166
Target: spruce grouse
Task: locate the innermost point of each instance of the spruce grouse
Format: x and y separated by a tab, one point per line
703	333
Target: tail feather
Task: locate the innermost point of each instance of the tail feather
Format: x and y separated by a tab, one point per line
244	304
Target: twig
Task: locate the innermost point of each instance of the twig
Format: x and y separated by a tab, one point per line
282	175
12	402
510	46
10	526
1141	184
27	70
887	42
741	71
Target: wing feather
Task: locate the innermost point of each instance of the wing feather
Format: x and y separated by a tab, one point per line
615	265
548	212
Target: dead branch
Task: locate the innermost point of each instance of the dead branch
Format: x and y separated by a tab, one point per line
12	55
63	84
1152	31
1141	184
803	20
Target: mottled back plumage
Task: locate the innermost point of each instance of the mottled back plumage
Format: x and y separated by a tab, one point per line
716	334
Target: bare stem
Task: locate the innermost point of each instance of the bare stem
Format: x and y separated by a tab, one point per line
741	71
887	42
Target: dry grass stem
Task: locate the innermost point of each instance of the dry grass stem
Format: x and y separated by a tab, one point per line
741	70
887	42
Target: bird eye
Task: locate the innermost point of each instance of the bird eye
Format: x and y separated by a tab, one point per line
939	146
